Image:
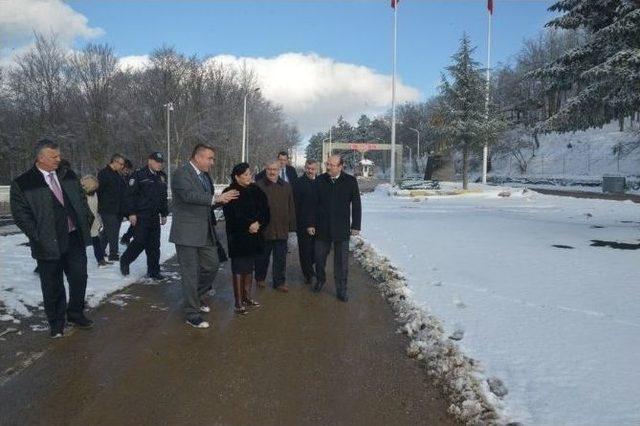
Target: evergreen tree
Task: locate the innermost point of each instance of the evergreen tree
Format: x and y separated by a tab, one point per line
605	71
463	104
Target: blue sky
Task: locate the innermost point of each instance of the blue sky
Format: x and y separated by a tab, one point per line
317	59
357	32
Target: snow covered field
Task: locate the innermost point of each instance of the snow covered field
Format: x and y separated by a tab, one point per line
20	287
560	326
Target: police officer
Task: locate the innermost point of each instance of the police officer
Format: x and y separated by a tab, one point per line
146	206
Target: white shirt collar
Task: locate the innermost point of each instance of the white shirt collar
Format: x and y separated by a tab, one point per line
198	171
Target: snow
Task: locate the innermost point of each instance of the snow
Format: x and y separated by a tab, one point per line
558	328
591	155
20	288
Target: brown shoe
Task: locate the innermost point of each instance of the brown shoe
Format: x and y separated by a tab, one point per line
261	284
283	288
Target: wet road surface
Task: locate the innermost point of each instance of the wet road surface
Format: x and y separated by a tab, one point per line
301	358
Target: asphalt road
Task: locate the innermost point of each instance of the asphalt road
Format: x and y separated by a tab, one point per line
301	358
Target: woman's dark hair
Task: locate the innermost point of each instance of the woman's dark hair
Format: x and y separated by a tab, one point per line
239	169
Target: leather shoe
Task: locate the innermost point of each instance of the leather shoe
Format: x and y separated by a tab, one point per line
80	321
124	268
318	286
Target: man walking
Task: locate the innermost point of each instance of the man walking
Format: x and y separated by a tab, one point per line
303	194
336	215
193	230
283	220
146	207
52	212
111	189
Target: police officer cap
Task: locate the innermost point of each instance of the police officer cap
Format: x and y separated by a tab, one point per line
157	156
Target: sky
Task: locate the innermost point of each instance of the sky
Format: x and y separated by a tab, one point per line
318	59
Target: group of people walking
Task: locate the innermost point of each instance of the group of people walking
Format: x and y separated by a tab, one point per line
62	214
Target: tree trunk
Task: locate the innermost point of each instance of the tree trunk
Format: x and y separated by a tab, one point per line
465	167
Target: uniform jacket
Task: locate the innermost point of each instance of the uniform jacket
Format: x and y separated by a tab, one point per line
146	194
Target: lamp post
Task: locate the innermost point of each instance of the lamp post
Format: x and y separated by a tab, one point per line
245	146
410	159
169	107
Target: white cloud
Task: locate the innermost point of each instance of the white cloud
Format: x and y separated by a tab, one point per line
315	90
134	62
19	19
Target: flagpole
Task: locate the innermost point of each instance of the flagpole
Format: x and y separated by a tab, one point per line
393	96
485	149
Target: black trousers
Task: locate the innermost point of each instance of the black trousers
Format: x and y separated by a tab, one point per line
129	234
340	263
146	237
73	265
306	245
111	223
279	268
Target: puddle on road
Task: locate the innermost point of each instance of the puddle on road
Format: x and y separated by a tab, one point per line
615	245
562	246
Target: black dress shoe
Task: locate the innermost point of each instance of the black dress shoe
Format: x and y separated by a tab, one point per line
156	277
318	286
80	321
124	268
343	298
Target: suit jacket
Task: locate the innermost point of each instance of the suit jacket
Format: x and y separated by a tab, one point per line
111	190
282	212
336	208
303	193
292	175
192	210
42	218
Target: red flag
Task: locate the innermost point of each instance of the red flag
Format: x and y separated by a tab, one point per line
394	3
490	6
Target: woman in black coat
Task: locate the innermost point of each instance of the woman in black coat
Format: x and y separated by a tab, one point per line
246	217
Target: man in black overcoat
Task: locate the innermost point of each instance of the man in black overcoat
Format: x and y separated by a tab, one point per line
303	194
336	215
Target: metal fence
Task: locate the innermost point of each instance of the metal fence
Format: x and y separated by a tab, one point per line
568	165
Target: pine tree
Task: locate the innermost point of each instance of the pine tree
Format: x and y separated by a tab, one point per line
604	72
463	104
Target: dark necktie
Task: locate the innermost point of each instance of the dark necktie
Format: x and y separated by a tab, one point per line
205	182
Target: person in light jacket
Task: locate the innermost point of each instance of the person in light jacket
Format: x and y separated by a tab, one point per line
90	185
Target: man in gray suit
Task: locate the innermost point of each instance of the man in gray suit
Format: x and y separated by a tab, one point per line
193	230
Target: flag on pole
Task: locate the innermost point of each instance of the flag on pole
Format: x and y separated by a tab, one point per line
394	3
489	5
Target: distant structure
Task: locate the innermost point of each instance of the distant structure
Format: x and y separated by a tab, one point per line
364	168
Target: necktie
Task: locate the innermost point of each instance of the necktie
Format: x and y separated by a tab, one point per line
57	191
283	174
205	182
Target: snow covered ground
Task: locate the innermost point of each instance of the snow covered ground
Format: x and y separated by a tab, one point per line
559	326
579	156
20	288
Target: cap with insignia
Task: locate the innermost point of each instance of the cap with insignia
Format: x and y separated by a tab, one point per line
157	156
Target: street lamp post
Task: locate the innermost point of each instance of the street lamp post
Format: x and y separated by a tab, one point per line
245	146
410	160
169	107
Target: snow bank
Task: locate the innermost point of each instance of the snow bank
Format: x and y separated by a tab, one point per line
20	288
459	376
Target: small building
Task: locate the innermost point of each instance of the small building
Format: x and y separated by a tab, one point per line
364	168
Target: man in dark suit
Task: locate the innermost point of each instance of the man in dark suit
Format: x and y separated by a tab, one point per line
193	230
303	194
52	212
111	189
287	172
336	215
